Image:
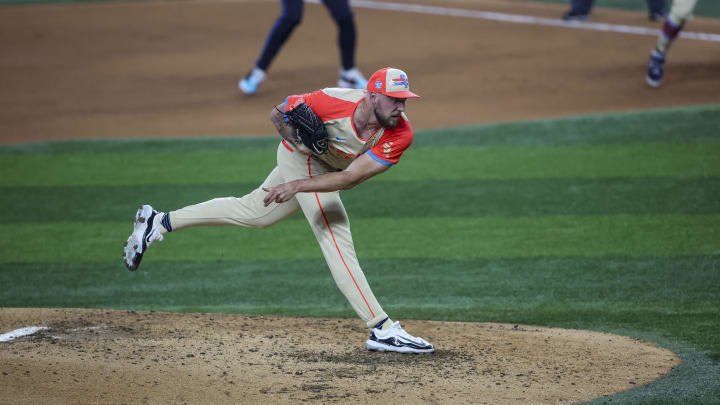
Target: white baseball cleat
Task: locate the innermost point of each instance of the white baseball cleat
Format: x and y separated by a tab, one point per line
249	84
144	233
352	79
396	339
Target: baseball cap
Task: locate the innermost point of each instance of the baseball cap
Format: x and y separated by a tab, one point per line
390	82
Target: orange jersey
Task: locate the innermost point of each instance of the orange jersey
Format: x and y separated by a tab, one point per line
335	107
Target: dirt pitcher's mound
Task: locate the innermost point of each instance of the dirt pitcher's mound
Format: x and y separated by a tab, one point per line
93	356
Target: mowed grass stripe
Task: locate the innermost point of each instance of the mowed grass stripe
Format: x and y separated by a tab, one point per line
490	237
456	163
695	124
400	199
677	125
82	169
603	161
143	145
656	295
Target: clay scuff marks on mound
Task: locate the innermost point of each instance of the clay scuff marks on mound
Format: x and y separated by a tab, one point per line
169	357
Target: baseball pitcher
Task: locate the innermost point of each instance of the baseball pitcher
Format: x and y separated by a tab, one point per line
332	139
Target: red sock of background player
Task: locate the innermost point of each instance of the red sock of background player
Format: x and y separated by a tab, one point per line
670	31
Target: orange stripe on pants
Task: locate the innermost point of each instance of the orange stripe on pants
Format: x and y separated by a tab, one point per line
327	223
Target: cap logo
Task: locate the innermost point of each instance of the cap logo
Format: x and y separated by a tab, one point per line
378	84
401	81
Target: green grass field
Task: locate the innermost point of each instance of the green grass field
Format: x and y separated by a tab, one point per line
609	223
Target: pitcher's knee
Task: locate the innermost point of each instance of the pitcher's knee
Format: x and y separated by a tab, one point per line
261	225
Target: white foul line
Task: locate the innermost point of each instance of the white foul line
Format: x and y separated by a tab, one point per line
18	333
523	19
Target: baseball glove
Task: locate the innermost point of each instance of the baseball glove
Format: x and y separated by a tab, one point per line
310	128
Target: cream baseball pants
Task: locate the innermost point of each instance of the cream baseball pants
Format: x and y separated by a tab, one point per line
324	211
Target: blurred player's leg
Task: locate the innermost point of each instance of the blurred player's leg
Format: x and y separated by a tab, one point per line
680	12
279	33
656	10
579	10
341	13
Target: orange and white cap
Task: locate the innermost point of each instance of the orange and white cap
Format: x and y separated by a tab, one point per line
390	82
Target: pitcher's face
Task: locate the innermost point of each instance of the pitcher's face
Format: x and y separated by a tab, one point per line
388	110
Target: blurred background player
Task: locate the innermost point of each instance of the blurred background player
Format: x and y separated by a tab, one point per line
680	12
290	18
580	10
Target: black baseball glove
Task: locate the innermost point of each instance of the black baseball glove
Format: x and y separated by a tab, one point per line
310	128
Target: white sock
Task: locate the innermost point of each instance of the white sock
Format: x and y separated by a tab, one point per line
157	223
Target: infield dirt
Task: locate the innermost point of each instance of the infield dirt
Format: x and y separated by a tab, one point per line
101	356
170	69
